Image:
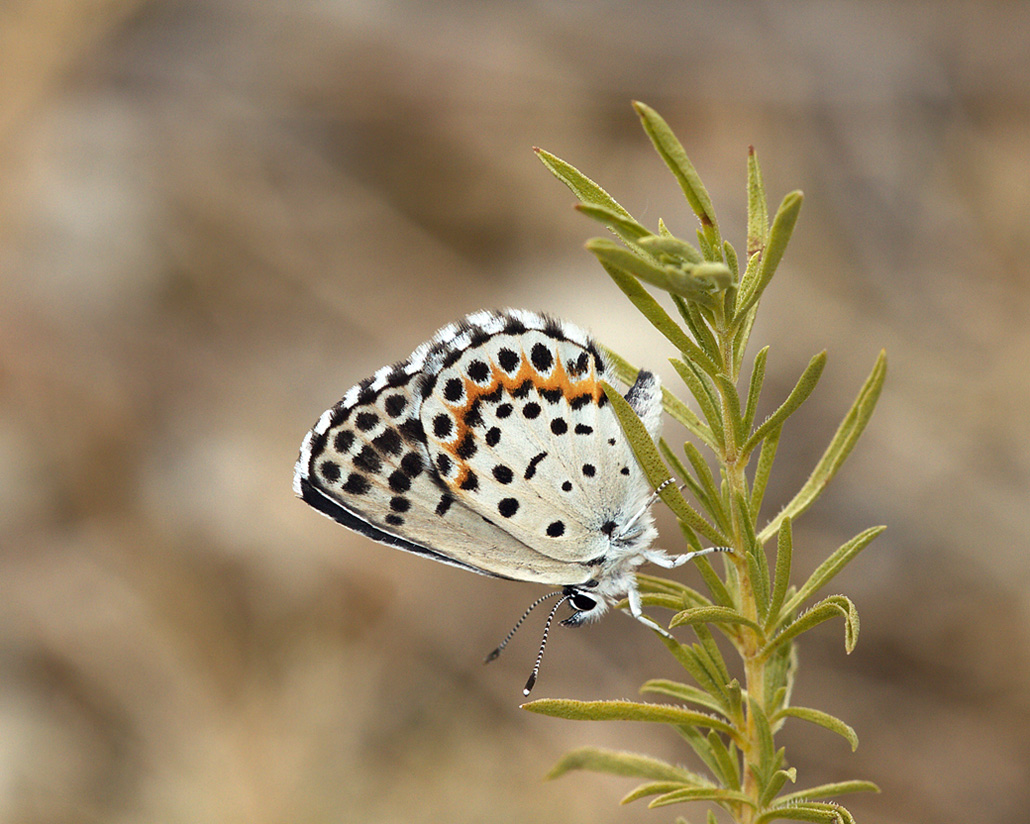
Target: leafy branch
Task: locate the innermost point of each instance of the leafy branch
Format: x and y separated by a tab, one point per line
753	604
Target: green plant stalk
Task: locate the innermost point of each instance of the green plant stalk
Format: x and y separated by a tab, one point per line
757	609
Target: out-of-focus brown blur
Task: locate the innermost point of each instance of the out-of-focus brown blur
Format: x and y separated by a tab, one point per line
215	216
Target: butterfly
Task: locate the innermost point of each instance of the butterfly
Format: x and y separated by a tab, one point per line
494	448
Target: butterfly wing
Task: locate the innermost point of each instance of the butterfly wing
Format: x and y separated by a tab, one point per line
519	427
367	464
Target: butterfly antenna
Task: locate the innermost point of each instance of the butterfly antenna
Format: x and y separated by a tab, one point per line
647	505
543	643
518	624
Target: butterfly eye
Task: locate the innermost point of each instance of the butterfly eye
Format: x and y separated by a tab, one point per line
583	603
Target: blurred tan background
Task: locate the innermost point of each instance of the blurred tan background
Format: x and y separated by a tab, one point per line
216	216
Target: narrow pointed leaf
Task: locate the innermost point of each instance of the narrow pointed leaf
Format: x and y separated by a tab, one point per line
763	469
699	744
799	813
798	395
659	318
666	278
695	488
706	794
758	564
757	209
731	399
779	235
731	259
823	719
828	790
840	447
672	246
582	186
779	778
671	151
781	577
626	711
720	593
711	495
766	750
840	558
654	788
703	395
729	771
689	660
714	614
613	762
755	388
684	692
698	326
710	653
832	607
742	336
685	594
617	220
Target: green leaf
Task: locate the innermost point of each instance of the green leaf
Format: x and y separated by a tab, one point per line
613	762
671	151
831	566
707	794
653	788
766	750
798	395
704	395
755	388
835	605
729	771
763	469
685	594
823	719
684	692
659	318
626	711
654	467
698	326
731	259
671	246
678	469
840	447
781	579
720	594
699	744
711	682
827	790
799	812
617	220
664	277
779	236
711	497
732	402
662	601
582	186
710	655
713	614
757	209
758	564
676	409
776	782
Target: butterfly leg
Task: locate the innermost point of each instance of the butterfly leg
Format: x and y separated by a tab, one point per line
636	609
659	558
